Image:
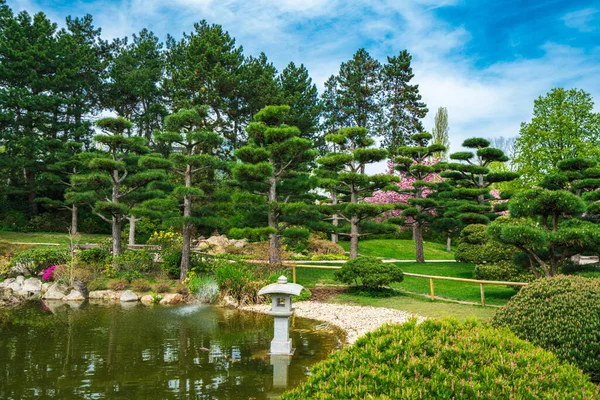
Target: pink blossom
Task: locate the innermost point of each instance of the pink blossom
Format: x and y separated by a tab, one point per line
47	273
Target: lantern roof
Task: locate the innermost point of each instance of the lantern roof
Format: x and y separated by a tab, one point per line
282	287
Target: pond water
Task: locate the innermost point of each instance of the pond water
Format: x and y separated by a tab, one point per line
91	351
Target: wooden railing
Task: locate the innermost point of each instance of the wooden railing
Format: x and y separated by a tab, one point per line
431	279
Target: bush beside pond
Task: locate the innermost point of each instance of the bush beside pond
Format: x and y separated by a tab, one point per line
444	359
560	314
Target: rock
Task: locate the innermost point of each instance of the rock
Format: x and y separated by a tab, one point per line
15	286
171	298
81	288
45	287
5	293
56	292
32	285
229	301
74	296
147	299
202	245
20	279
20	269
128	296
105	295
6	282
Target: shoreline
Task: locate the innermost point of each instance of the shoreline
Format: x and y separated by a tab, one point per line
355	321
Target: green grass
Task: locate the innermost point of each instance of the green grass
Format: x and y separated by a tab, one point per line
400	249
417	305
58	238
462	291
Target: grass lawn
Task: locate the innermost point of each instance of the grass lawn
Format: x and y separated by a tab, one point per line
399	249
416	304
59	238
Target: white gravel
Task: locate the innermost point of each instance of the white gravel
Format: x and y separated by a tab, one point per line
354	320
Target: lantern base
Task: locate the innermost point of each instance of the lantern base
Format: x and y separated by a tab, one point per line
282	347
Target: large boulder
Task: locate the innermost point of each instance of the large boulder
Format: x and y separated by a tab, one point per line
74	295
128	296
15	286
171	298
32	285
56	292
81	288
6	282
147	299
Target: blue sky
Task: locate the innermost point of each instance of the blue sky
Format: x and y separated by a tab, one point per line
484	60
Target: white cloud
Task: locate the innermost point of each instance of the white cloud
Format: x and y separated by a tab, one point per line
585	20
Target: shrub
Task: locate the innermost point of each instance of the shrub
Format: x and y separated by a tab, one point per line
238	280
182	289
162	287
132	260
305	294
503	271
476	246
170	251
140	285
93	258
443	359
117	284
204	287
39	258
371	272
97	284
560	314
318	245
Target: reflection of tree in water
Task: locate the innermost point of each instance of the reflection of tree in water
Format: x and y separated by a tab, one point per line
145	352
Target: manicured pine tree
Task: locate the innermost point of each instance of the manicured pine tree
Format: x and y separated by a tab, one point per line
117	172
414	162
472	180
195	158
274	165
341	173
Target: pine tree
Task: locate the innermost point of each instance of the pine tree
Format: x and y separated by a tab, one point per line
402	108
472	181
341	173
117	173
198	146
414	162
274	165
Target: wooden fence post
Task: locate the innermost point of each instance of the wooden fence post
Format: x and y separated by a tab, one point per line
482	295
431	289
294	273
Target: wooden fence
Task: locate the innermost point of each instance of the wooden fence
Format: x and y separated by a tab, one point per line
431	278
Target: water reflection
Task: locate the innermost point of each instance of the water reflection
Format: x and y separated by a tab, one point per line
114	352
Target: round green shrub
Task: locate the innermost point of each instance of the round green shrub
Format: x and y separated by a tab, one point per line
39	258
477	247
560	314
370	272
503	271
443	359
134	260
97	284
140	285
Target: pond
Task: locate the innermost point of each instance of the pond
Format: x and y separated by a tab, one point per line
92	351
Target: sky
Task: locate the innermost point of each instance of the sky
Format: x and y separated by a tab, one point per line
485	60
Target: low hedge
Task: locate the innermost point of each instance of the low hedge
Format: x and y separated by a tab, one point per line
560	314
443	359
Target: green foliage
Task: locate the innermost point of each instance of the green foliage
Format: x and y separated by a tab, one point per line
39	258
370	272
305	295
477	247
506	271
94	259
162	287
140	285
97	284
252	234
117	284
134	260
443	359
238	280
560	314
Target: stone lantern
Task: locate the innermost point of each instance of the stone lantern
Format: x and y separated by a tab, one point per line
281	308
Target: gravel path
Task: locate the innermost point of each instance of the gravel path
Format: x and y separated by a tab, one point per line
355	320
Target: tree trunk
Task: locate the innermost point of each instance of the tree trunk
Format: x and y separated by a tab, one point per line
418	231
274	245
187	227
116	236
32	195
448	243
354	237
74	220
132	222
336	221
481	198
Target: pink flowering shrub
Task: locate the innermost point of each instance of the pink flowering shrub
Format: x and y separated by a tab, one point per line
47	273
